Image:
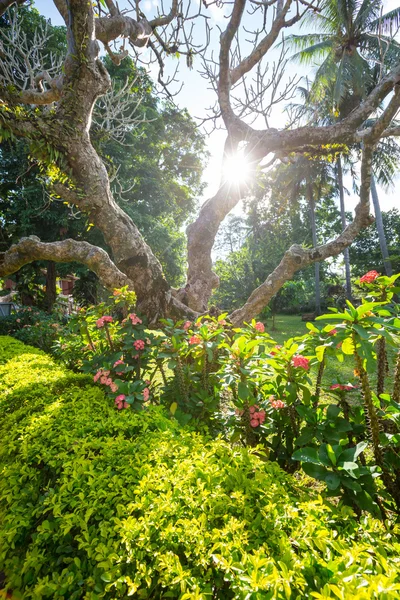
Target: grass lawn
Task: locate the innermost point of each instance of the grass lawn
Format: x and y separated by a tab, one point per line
287	326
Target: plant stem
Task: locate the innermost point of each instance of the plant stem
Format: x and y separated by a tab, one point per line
396	383
319	381
381	360
109	337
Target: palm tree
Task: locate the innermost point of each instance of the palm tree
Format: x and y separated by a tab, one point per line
353	46
321	113
313	180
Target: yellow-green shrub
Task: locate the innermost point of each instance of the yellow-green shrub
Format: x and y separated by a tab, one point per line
96	503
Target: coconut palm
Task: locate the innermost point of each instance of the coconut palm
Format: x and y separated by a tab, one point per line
353	46
352	39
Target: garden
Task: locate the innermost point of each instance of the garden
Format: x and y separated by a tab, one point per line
201	460
199	300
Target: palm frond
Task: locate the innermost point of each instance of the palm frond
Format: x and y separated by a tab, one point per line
309	54
368	12
388	23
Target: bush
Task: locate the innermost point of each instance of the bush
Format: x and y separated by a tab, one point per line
33	326
97	503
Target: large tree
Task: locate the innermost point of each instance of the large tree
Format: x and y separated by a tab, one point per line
53	111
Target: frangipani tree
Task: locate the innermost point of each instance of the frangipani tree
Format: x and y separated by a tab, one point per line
54	111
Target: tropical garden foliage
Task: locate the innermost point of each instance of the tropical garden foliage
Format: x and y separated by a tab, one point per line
161	442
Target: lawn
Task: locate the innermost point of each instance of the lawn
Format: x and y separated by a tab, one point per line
287	326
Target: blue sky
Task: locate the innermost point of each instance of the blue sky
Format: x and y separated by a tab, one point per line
196	98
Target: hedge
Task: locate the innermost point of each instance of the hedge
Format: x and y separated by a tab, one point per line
96	503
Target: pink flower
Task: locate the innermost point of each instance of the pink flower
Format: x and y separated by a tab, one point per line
186	325
106	373
146	394
135	319
194	340
254	423
301	361
277	404
136	356
114	387
18	320
222	322
108	381
260	416
100	322
107	319
252	409
259	327
139	345
98	375
126	405
369	277
275	350
120	398
339	386
118	362
332	332
103	380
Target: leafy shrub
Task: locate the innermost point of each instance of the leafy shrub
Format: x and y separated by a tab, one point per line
33	326
97	503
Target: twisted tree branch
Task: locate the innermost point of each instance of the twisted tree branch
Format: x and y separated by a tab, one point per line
29	249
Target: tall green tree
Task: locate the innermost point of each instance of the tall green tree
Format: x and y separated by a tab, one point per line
156	161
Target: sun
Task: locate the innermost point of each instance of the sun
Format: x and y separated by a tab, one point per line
236	169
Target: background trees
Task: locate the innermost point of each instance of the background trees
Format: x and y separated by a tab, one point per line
153	151
53	112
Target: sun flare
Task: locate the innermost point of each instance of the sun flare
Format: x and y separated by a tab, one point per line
236	169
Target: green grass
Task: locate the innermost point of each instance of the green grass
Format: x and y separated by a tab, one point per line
287	326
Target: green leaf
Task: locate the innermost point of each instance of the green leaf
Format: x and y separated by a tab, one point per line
331	454
172	408
348	346
243	391
317	471
307	455
332	481
332	412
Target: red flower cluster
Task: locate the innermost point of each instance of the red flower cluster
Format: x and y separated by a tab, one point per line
139	345
194	340
103	320
340	386
120	402
257	417
301	361
105	380
135	319
369	277
276	403
259	327
332	332
186	325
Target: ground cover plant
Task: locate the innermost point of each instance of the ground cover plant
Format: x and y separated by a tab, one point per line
237	382
103	503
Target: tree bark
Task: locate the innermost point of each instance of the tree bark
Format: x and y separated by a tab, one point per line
51	285
379	226
311	204
346	254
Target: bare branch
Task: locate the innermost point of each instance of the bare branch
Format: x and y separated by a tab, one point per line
30	249
5	4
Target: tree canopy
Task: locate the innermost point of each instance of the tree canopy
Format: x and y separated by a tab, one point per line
53	108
